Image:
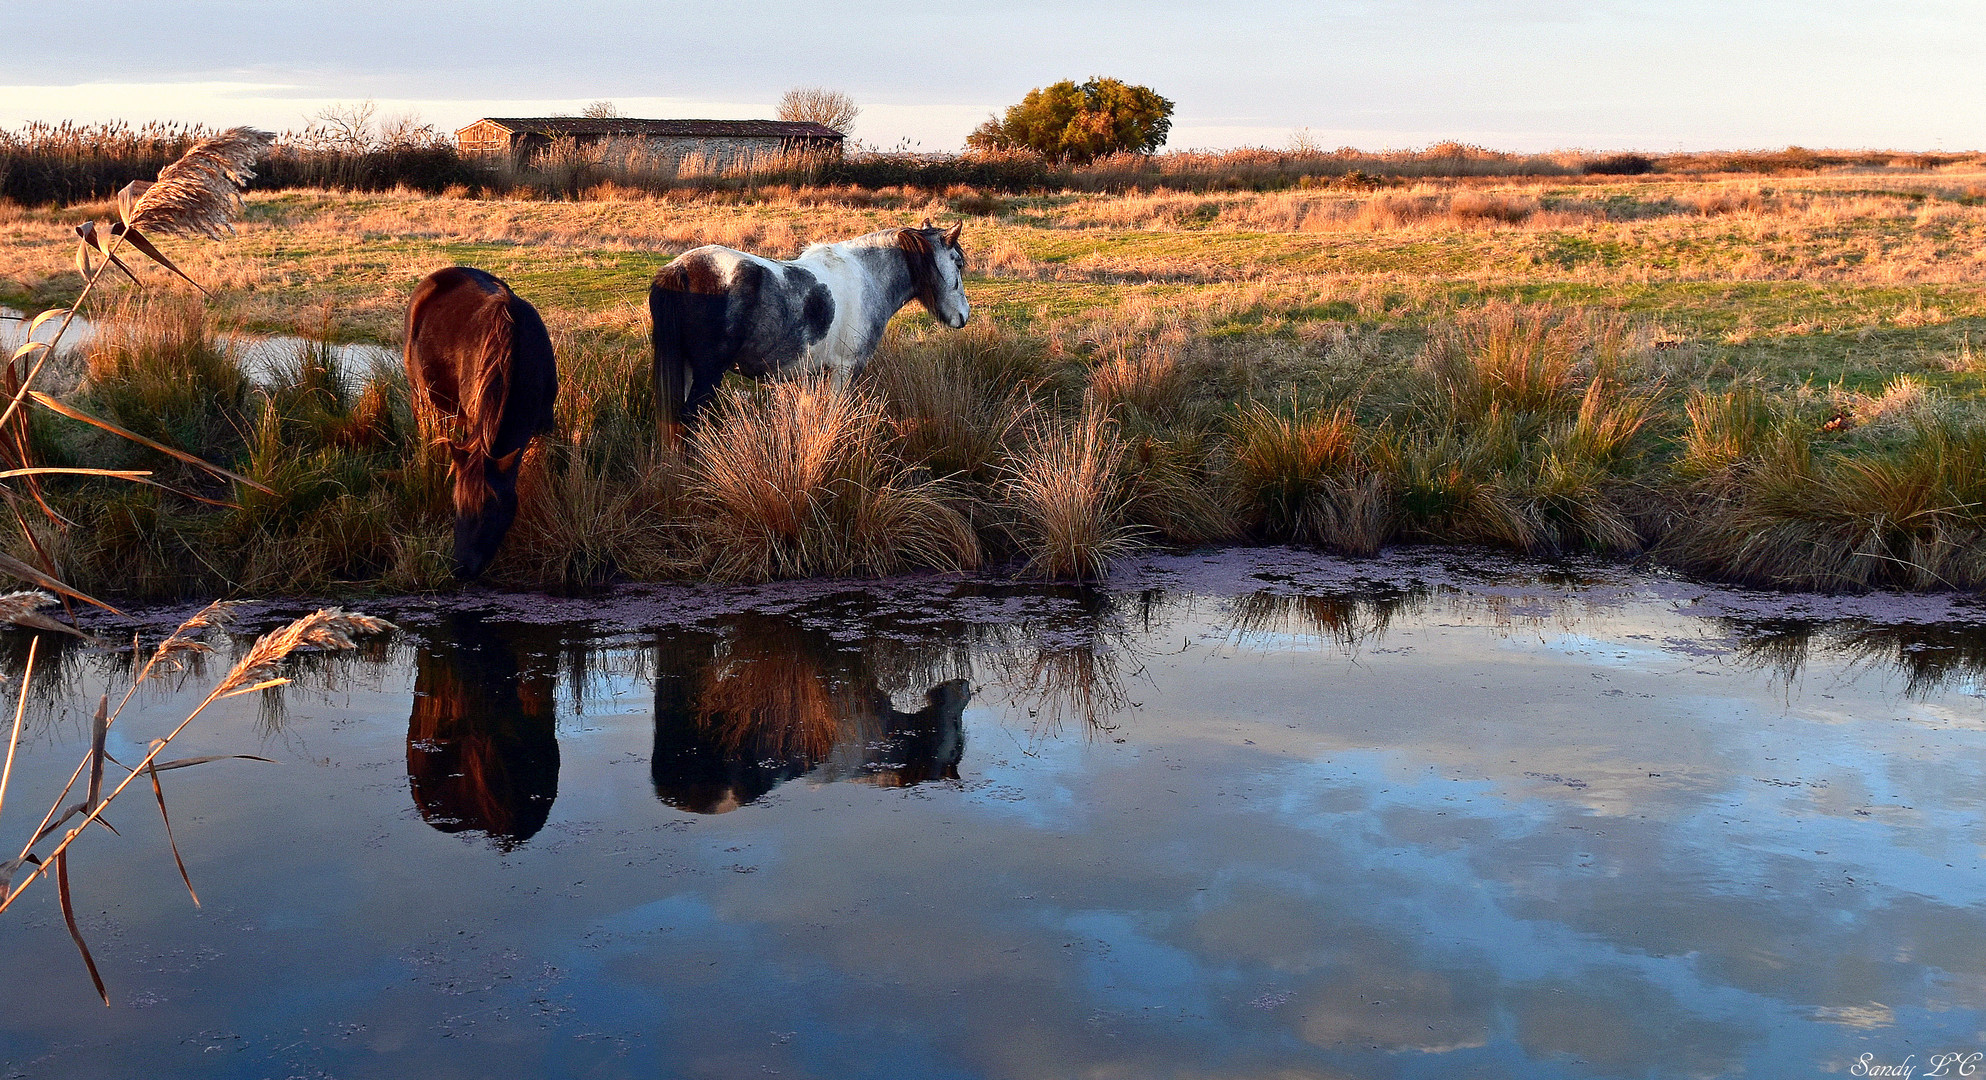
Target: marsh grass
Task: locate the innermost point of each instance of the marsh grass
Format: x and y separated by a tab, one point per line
798	480
1144	372
1065	488
1794	516
1729	427
1488	351
1174	488
1310	476
1541	429
583	522
154	368
596	501
953	398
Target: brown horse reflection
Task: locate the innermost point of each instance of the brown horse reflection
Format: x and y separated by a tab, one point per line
740	712
482	745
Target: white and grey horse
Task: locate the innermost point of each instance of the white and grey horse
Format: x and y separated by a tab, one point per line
714	308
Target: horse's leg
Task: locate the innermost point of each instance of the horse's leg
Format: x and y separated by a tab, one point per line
704	381
840	375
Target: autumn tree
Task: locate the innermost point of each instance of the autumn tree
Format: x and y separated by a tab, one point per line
1077	122
816	105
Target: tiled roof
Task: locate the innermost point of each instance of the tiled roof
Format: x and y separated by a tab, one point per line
625	127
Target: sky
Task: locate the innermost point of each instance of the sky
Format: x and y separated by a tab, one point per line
1522	75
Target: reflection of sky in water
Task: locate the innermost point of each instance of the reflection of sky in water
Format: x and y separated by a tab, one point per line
1485	848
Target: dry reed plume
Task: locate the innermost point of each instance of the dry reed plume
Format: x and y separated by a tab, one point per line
201	192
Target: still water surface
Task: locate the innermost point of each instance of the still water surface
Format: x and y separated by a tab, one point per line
1253	814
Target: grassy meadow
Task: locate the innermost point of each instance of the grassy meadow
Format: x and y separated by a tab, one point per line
1775	380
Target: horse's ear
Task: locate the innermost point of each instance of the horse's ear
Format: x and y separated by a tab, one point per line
926	225
509	461
458	453
952	234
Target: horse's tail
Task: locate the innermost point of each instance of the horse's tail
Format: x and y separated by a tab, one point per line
671	366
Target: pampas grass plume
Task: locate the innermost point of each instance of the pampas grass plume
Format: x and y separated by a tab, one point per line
201	192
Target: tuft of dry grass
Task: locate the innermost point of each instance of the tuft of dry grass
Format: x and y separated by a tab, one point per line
153	367
1509	358
1144	372
1309	476
1067	494
1789	516
1725	429
953	399
1173	486
798	480
583	522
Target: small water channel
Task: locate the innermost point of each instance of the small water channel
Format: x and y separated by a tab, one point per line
261	355
1252	813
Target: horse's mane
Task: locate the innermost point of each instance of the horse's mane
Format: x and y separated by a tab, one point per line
921	257
487	387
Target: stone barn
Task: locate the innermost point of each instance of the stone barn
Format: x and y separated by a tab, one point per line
717	143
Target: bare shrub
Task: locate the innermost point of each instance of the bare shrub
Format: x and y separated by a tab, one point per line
819	105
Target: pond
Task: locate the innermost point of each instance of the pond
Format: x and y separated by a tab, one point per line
263	356
1247	813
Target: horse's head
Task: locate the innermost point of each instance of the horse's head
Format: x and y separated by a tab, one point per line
937	265
485	505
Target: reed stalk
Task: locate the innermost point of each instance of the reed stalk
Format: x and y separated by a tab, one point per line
258	669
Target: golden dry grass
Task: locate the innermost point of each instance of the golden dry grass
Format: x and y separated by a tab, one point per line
799	480
1066	490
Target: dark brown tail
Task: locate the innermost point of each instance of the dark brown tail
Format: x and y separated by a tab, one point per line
671	367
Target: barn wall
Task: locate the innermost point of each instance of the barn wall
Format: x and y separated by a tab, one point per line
482	138
697	154
716	153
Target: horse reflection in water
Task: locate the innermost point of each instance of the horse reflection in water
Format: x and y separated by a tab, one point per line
482	743
739	712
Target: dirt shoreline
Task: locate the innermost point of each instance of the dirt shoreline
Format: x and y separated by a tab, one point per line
1519	585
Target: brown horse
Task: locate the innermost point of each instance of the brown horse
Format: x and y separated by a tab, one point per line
479	358
482	740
